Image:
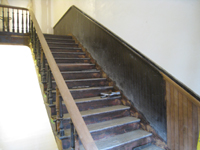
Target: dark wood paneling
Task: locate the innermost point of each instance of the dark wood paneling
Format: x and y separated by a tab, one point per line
140	82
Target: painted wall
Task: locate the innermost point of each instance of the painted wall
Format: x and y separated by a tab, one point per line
167	32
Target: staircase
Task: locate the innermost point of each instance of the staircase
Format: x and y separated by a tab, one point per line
108	120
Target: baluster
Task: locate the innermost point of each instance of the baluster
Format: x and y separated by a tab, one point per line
31	30
13	21
29	21
43	67
8	25
26	22
3	19
49	88
57	109
77	146
17	21
22	21
47	83
34	41
38	55
72	144
62	131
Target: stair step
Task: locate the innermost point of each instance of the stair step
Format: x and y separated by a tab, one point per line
98	115
80	83
62	45
87	92
99	111
81	74
75	66
66	49
90	103
107	128
107	124
69	54
131	138
148	146
52	36
72	60
61	42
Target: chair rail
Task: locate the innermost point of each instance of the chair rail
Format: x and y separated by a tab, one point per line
72	108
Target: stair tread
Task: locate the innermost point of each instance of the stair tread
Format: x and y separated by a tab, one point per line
107	124
66	48
90	88
82	71
73	64
95	99
152	147
99	110
120	139
71	58
78	53
90	99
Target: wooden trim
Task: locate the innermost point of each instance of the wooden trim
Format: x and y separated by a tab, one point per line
183	91
13	7
72	108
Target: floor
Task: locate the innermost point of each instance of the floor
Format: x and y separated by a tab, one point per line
24	123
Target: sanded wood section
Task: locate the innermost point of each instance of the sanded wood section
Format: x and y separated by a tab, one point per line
183	117
72	108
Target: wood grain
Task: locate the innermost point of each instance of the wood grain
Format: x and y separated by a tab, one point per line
183	117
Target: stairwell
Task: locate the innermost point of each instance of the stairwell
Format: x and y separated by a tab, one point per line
109	121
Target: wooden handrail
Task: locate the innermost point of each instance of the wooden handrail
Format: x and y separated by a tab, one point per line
72	108
7	6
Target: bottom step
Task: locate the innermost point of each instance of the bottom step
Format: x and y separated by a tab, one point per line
124	141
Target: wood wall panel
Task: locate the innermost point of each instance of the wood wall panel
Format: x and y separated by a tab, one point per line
183	117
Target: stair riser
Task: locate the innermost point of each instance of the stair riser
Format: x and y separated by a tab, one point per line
71	60
106	133
90	105
75	68
57	36
86	93
66	55
65	50
60	41
68	76
100	117
82	84
63	45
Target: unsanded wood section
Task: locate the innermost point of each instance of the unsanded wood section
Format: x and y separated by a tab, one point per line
183	117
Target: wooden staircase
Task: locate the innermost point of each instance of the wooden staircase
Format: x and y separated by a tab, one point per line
108	120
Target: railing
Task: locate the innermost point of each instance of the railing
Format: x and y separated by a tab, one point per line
22	20
77	123
14	19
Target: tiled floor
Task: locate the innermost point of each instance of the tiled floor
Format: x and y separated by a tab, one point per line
24	123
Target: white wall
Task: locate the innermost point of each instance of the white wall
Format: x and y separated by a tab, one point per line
167	31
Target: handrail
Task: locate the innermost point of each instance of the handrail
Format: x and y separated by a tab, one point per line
7	6
72	108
